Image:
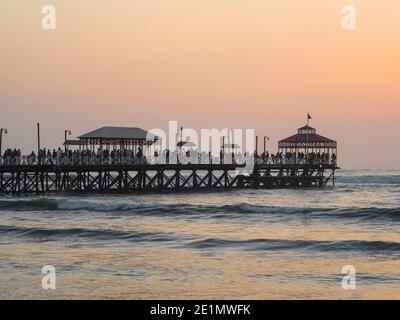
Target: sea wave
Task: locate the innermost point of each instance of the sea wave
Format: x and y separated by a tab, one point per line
29	204
368	179
299	245
52	234
83	235
210	211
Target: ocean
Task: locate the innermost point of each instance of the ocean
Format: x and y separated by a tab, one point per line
242	244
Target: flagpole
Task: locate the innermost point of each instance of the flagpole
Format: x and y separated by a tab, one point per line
308	119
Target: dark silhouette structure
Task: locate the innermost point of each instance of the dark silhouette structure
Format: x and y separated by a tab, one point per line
303	160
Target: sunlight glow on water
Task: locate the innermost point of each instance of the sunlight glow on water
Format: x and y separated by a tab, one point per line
257	244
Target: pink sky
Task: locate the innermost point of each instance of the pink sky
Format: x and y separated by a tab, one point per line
221	63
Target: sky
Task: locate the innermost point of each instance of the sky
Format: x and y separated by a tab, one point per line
206	64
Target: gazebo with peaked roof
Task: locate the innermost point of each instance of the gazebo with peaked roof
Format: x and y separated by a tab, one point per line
123	137
307	140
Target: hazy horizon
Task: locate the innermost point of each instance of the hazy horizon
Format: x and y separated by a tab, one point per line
205	64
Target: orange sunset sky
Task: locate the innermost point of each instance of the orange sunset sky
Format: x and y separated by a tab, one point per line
205	63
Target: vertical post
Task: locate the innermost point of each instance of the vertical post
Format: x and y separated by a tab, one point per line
66	132
1	141
181	135
38	141
222	160
256	146
2	130
336	156
308	119
179	150
265	144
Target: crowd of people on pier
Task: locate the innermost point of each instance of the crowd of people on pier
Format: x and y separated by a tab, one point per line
47	156
105	155
13	154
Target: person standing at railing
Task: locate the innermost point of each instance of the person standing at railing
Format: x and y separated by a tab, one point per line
59	153
32	158
167	156
48	157
139	153
333	158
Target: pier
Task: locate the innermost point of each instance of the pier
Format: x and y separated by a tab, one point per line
131	172
140	177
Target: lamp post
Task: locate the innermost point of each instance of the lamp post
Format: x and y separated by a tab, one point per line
155	145
179	150
1	138
66	132
256	147
265	144
38	141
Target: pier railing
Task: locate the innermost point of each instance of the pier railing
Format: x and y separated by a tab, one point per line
68	161
286	161
133	160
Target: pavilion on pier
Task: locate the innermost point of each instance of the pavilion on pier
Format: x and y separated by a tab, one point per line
307	141
123	138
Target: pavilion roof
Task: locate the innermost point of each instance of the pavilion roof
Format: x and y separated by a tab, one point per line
118	133
307	136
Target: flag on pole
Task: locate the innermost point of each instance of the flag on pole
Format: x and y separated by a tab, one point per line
308	117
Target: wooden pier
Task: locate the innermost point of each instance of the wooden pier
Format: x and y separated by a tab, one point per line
305	159
289	176
132	178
